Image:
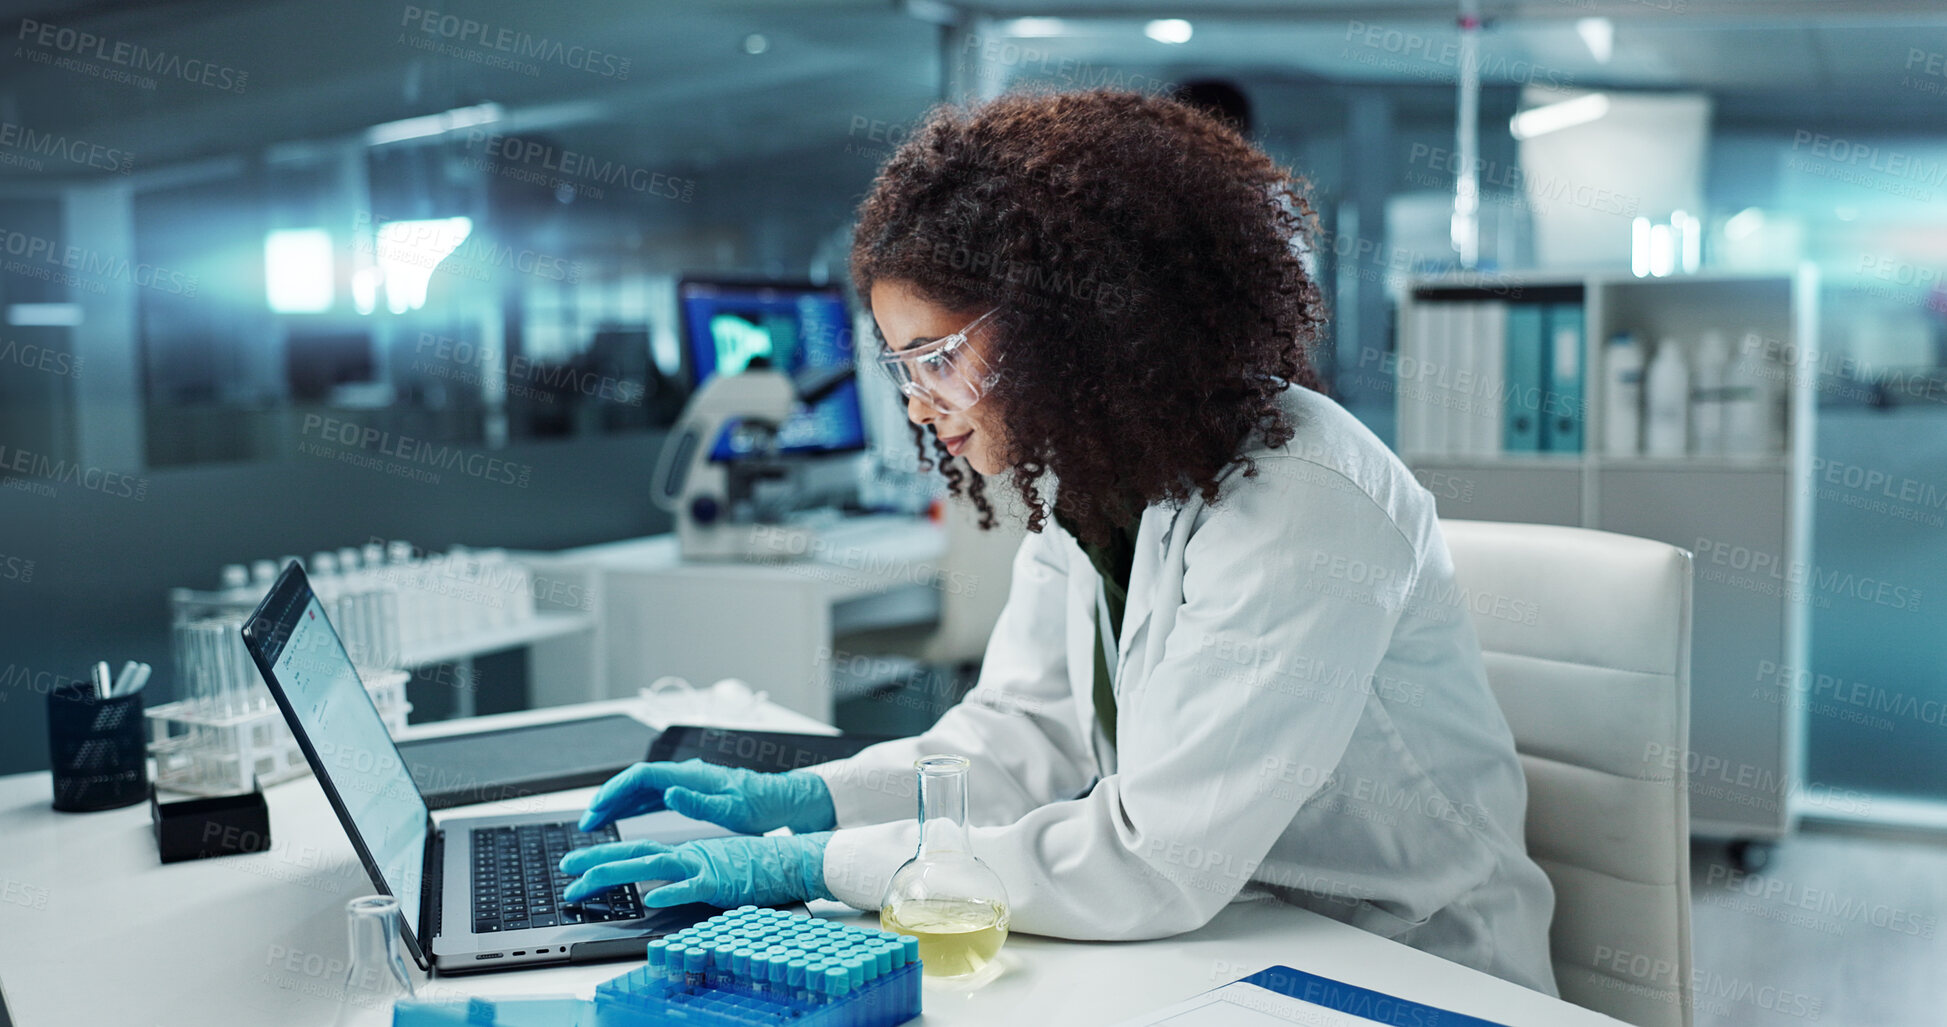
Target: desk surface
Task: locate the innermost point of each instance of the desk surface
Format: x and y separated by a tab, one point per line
94	930
850	557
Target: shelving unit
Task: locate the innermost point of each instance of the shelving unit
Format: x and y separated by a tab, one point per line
1746	733
543	626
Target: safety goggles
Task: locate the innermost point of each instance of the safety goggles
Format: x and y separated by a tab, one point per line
946	374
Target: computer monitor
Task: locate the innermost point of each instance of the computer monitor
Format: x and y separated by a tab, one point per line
799	328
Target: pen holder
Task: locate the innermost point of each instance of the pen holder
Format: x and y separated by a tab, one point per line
96	748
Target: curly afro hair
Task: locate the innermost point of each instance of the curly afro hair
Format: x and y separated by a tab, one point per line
1152	304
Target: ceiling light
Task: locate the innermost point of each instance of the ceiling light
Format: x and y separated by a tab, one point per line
1034	28
1168	30
432	124
408	252
1554	117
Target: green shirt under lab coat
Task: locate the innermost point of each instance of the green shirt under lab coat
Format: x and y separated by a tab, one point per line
1113	563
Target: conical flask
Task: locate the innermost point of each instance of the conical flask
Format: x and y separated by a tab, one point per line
376	975
945	896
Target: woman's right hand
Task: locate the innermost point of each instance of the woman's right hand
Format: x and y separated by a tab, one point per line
744	801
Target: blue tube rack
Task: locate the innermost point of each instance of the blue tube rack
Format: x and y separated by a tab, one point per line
754	967
748	967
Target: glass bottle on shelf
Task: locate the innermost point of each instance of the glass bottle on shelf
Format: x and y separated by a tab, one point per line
945	896
376	975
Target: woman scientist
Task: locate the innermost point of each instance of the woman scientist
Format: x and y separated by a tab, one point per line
1234	663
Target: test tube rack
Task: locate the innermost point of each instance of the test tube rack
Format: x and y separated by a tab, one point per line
748	967
202	750
224	734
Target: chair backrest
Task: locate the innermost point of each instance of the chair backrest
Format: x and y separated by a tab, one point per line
1586	638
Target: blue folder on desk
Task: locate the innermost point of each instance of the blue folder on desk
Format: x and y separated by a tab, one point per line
1361	1002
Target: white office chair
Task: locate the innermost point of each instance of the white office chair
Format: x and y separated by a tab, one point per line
1597	690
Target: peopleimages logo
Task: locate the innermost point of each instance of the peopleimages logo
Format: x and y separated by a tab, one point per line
515	43
75	151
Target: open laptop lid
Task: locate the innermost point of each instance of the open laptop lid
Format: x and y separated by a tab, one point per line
332	716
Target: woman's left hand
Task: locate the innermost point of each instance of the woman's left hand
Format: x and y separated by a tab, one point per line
723	872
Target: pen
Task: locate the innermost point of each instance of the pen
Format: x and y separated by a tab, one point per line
103	686
124	679
137	679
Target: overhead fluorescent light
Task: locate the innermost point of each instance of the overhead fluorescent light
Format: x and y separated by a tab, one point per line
1168	30
433	124
409	252
44	315
1600	36
1554	117
298	270
1035	28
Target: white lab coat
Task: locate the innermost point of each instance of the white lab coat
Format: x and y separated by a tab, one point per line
1302	717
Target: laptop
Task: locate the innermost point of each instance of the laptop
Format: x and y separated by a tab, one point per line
476	893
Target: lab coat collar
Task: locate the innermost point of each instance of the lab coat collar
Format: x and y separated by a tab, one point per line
1153	534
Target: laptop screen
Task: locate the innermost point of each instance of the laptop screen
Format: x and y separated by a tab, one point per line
349	746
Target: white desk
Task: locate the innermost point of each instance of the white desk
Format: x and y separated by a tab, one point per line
93	930
705	621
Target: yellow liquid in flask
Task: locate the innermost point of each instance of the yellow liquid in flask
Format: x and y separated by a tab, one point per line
957	937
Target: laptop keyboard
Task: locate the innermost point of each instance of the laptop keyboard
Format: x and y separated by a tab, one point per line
517	882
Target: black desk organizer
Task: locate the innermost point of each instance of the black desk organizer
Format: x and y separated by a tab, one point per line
96	747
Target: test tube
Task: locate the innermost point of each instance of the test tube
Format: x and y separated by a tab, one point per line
760	971
208	684
740	962
675	956
814	979
213	668
388	613
229	647
776	970
837	982
695	960
794	969
250	697
185	686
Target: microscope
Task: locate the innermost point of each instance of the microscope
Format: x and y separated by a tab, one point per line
735	509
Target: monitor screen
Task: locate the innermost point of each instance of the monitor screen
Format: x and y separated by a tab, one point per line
353	751
799	329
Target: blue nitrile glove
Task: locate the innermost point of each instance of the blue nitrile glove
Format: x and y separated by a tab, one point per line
723	872
744	801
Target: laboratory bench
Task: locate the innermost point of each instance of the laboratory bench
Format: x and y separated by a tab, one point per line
93	929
